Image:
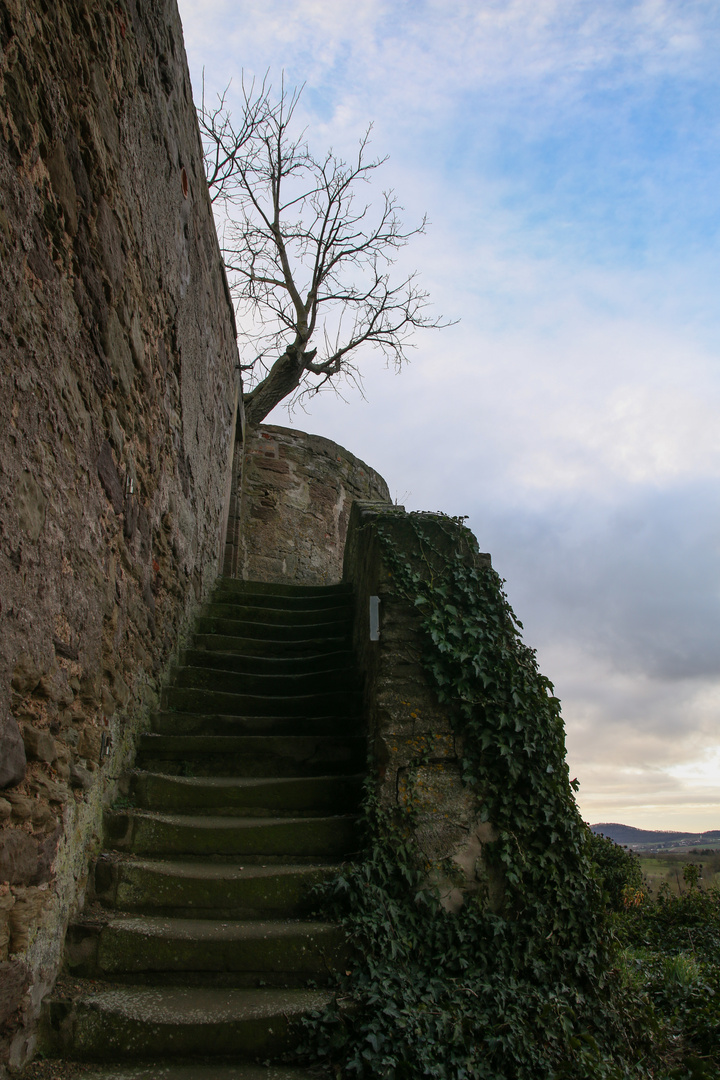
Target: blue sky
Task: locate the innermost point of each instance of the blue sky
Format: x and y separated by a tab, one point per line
566	155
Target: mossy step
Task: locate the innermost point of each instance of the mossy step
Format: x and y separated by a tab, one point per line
271	616
188	699
252	755
279	953
195	1071
274	797
337	661
250	839
178	1022
276	685
206	889
282	601
239	587
270	648
267	631
188	723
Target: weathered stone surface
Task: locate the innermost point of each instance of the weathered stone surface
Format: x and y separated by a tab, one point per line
291	518
107	471
54	686
14	981
80	777
19	856
12	753
6	902
22	805
29	902
26	674
54	791
118	409
89	743
30	505
39	745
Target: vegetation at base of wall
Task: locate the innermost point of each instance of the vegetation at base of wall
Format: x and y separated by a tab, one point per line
529	990
672	959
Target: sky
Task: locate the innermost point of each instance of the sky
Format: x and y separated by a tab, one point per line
565	153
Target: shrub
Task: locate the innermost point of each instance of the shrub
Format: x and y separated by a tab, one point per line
618	870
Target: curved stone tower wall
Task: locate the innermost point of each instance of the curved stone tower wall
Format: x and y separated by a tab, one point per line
296	494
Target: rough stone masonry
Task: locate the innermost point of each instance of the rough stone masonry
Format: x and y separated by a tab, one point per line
117	420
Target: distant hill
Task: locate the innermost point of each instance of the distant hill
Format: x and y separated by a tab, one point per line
656	838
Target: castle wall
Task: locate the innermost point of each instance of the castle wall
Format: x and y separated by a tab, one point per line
297	491
117	422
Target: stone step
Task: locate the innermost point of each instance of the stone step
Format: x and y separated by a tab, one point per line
271	589
267	631
199	724
275	616
188	699
252	755
324	662
268	796
252	840
276	685
270	648
237	953
207	889
196	1071
124	1022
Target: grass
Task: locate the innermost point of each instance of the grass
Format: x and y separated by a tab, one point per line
667	867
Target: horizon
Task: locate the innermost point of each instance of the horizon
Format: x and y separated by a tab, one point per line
566	156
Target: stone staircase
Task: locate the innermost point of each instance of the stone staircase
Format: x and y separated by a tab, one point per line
197	948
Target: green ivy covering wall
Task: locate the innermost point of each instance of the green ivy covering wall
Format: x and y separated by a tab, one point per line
523	988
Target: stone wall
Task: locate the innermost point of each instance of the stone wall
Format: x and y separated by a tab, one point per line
117	413
297	491
414	747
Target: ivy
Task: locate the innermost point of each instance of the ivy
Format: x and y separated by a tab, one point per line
523	992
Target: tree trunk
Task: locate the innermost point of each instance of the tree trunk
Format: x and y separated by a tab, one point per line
284	377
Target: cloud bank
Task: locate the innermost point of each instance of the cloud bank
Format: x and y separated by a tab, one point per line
565	152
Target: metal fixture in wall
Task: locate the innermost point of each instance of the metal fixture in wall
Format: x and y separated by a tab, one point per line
374	618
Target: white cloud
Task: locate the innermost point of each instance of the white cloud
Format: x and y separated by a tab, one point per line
565	152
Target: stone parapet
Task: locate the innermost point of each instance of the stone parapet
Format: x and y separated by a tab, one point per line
297	490
416	752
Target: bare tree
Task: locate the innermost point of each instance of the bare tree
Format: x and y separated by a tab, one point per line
309	262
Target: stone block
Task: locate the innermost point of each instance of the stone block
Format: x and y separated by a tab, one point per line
107	471
91	688
89	743
54	687
6	902
21	805
61	178
14	982
39	745
19	856
30	504
24	915
26	675
53	790
13	760
80	777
